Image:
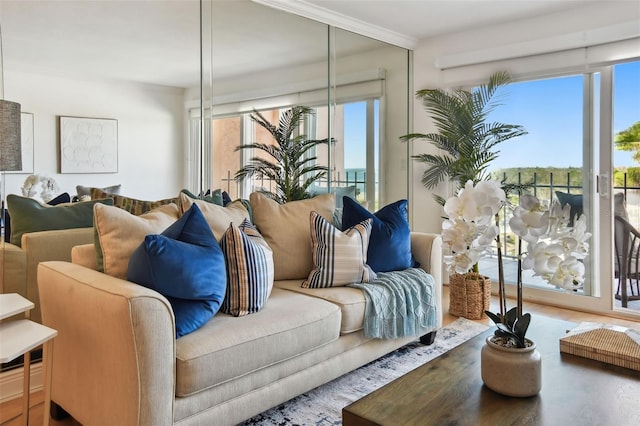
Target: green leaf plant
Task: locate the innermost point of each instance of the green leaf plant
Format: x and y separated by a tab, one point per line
466	140
290	167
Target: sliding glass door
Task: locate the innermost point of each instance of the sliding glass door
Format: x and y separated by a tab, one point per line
583	148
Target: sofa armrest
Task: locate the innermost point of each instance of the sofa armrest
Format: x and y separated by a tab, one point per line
13	269
49	245
114	338
427	250
85	255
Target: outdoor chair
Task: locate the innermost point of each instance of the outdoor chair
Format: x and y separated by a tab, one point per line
627	259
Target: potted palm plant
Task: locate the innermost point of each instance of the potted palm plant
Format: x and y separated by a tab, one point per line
467	140
291	166
465	137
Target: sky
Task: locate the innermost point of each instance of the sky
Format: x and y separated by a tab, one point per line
550	111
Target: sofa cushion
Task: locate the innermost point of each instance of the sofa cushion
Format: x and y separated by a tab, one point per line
286	229
29	215
351	302
228	347
214	197
60	199
217	216
86	190
119	233
249	268
575	203
131	205
390	242
339	191
186	265
339	258
620	205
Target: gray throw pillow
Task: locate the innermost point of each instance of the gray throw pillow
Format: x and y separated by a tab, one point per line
86	190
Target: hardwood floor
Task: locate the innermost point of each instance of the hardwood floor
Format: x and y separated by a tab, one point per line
10	412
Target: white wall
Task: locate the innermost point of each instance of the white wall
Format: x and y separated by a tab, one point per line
151	155
539	31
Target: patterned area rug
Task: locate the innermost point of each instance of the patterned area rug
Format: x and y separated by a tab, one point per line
323	405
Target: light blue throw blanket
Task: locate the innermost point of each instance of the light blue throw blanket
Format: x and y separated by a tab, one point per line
399	304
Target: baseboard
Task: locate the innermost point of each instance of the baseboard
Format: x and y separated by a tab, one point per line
11	382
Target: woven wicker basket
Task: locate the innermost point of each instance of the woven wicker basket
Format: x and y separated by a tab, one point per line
469	295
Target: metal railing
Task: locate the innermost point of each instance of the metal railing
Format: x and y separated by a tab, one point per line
349	178
545	190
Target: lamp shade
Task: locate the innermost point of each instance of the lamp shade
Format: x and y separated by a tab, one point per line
10	138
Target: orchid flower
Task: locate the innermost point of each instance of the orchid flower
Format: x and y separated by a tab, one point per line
468	232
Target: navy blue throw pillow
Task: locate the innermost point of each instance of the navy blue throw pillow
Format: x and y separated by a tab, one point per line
390	241
186	265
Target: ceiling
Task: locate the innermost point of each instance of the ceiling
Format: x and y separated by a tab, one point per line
158	41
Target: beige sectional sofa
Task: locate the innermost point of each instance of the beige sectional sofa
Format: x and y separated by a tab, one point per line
116	359
19	265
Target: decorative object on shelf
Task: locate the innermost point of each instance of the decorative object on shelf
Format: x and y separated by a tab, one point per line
48	186
555	252
288	164
88	145
464	135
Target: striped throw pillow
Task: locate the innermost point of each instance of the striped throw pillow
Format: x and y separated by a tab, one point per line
249	262
339	258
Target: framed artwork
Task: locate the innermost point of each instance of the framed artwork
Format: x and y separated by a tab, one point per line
26	143
88	145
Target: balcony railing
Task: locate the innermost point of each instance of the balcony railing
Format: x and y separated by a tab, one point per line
545	189
348	178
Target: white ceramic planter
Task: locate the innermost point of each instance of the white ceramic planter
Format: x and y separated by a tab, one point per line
511	371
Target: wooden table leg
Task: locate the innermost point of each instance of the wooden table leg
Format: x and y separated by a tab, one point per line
47	358
26	388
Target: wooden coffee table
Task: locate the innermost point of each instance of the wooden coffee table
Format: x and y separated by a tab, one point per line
449	390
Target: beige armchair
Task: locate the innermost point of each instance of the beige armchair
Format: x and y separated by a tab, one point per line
19	265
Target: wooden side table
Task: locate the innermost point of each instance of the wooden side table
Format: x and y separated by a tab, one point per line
19	337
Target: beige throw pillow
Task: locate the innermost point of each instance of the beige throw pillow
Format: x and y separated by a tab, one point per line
119	233
219	218
285	227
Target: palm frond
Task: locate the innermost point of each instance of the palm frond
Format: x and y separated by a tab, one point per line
290	166
460	117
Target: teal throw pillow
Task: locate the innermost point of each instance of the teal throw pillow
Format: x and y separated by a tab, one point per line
29	215
186	265
390	241
214	196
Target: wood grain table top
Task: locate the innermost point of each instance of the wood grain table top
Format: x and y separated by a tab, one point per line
449	390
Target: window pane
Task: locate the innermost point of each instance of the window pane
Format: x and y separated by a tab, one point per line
550	157
226	160
626	155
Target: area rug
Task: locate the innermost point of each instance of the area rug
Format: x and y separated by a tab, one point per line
323	405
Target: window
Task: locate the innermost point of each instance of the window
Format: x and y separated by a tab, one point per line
352	158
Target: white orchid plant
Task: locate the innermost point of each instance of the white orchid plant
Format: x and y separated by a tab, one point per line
554	252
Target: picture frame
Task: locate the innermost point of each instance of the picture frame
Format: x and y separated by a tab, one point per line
26	144
88	145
